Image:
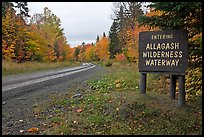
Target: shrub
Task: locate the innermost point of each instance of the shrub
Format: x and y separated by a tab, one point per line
193	84
120	58
108	63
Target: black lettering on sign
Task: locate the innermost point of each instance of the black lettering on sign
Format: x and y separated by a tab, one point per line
163	51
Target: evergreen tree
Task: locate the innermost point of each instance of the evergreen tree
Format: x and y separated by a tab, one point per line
104	34
176	15
21	6
114	46
126	14
97	39
132	12
76	53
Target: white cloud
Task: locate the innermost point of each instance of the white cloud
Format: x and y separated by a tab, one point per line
82	21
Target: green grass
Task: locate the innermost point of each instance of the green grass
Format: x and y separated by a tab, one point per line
113	105
11	68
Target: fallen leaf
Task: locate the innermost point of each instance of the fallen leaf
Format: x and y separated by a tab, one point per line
33	129
72	129
117	85
79	110
117	81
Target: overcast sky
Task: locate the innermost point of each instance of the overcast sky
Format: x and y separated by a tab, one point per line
81	21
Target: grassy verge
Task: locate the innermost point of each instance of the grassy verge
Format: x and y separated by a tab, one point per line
10	68
112	105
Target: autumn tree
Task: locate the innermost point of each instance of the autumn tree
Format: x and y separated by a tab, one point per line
102	49
132	42
8	37
47	33
126	14
81	55
76	53
68	51
40	40
22	52
185	16
132	10
14	37
89	52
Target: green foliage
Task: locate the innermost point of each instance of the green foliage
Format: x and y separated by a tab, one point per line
76	53
176	15
13	5
108	63
103	84
23	8
114	46
118	111
124	30
120	79
34	48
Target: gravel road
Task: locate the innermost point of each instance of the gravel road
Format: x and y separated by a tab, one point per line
17	104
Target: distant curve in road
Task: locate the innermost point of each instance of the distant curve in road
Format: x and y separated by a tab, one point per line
45	78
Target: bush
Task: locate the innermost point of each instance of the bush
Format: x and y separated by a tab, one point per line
121	58
108	63
193	84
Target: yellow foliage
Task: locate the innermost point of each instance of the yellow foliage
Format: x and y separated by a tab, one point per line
102	49
193	83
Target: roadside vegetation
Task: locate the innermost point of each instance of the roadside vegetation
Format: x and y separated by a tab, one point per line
43	38
12	68
112	104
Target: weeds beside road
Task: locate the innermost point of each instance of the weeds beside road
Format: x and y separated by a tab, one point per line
112	104
10	68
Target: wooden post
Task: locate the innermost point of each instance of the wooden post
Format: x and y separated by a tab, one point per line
143	79
172	86
181	90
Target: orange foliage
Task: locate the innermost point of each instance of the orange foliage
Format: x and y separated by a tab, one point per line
153	13
68	53
120	58
102	49
8	39
131	38
89	52
132	41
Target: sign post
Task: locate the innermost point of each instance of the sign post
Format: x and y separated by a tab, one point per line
143	80
172	86
181	90
164	52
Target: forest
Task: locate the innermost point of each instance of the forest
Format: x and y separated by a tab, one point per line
42	39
